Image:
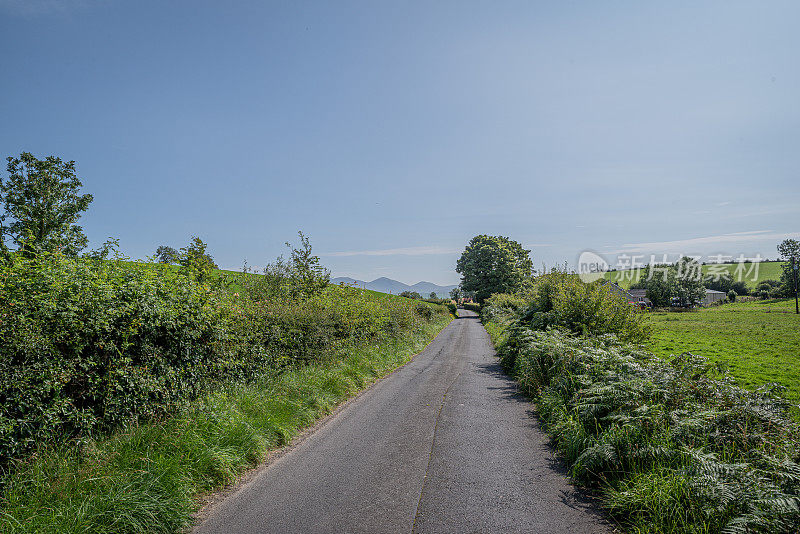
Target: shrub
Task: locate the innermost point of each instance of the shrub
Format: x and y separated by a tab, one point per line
502	306
732	295
562	299
87	344
423	310
675	445
472	306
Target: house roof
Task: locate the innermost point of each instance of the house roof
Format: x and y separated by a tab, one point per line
712	291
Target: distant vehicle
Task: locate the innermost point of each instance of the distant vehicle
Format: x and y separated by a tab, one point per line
675	302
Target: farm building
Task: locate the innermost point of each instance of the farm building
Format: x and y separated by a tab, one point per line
639	295
632	296
622	293
713	296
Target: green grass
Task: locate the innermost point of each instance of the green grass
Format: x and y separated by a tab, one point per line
759	341
768	270
147	478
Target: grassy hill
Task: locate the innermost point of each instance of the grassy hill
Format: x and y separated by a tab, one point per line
766	270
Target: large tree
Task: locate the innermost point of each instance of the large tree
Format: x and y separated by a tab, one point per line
42	200
493	264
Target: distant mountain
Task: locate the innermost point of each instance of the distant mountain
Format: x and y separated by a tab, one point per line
387	285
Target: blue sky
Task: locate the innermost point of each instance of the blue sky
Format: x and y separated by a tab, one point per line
393	132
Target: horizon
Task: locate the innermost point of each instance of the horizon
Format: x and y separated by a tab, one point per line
393	134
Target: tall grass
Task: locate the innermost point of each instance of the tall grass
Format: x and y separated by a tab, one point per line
147	477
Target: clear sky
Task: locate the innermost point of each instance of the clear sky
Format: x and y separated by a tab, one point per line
393	132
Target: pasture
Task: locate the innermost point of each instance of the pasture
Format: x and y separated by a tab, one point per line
758	341
768	270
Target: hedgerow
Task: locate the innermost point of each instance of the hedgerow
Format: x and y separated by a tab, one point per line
87	344
674	445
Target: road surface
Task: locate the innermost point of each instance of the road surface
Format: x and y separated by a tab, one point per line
445	444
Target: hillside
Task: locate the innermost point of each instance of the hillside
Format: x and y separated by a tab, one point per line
766	270
387	285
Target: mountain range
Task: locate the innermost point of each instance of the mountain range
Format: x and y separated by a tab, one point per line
387	285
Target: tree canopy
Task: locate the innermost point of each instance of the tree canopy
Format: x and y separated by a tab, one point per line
493	264
41	198
682	280
167	254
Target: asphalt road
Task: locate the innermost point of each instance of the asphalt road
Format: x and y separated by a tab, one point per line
445	444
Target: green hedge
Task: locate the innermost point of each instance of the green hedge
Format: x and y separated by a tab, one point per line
472	306
87	344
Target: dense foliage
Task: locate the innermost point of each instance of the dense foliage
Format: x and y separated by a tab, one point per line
493	264
674	444
562	299
682	281
89	343
147	477
41	204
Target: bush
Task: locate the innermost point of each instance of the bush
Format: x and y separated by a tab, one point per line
563	300
423	310
732	295
472	306
87	344
675	445
501	306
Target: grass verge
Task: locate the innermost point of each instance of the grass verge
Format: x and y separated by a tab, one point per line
147	478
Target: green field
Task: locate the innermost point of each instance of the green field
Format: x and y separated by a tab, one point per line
768	270
759	341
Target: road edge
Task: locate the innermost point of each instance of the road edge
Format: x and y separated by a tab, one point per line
208	501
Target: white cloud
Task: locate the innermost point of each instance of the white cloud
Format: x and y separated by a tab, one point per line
408	251
704	243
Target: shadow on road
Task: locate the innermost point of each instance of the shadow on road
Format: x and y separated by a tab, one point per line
580	498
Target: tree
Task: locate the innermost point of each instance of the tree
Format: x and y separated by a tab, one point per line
195	261
689	287
790	252
307	274
659	282
455	293
494	264
41	197
168	255
411	295
433	295
682	280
